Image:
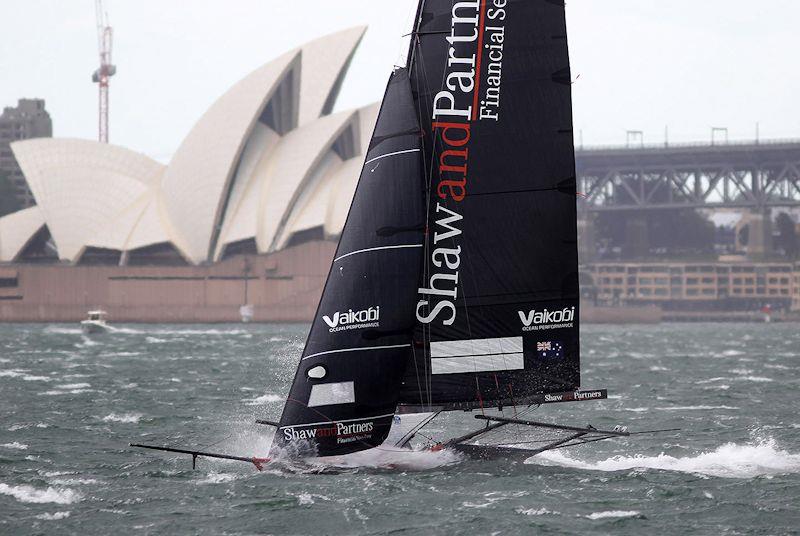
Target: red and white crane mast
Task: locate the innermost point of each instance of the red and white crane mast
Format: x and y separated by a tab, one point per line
103	75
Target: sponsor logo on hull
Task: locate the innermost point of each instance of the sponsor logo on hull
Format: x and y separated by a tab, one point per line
343	320
572	396
342	432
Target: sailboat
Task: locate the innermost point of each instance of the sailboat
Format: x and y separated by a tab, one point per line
454	286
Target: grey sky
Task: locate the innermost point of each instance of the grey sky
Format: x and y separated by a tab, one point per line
642	64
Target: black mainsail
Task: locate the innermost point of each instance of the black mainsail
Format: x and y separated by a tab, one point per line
347	385
498	302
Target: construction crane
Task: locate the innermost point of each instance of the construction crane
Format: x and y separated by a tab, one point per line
103	75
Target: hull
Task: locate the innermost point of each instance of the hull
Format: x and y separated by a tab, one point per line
90	327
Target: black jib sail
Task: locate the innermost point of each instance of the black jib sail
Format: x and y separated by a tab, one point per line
497	306
346	387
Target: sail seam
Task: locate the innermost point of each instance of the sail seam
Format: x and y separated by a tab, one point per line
356	350
391	154
377	249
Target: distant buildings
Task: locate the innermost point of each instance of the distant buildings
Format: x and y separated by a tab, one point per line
700	286
28	120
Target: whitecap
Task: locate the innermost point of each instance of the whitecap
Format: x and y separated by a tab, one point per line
305	498
659	369
29	494
55	516
123	418
15	427
73	386
713	380
695	408
612	514
728	461
15	445
73	481
536	512
756	379
217	478
778	367
19	373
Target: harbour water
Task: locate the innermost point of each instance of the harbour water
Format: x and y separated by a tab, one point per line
71	404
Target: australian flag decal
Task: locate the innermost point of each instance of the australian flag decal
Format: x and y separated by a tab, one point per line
550	350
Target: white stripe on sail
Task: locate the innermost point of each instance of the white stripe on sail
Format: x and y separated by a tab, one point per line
356	350
477	355
377	249
340	420
391	154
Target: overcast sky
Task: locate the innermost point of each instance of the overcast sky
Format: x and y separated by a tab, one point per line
642	64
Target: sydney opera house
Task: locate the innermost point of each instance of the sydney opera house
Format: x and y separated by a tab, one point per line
246	211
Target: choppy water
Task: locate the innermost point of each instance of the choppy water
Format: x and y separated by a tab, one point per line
71	404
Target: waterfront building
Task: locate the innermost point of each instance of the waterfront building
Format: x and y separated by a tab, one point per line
29	119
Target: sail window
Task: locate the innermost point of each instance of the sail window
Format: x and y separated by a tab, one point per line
328	394
477	355
317	373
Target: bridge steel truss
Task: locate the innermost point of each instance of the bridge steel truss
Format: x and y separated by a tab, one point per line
757	176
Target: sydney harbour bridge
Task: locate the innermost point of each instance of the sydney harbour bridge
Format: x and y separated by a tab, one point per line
752	177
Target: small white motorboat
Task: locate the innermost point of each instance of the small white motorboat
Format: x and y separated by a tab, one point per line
95	322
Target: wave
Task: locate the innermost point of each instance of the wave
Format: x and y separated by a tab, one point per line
695	408
73	481
23	374
613	514
728	461
391	458
536	512
73	386
70	392
218	478
15	427
29	494
55	516
63	330
15	445
757	379
124	418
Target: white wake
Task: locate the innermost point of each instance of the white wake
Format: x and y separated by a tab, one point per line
728	461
